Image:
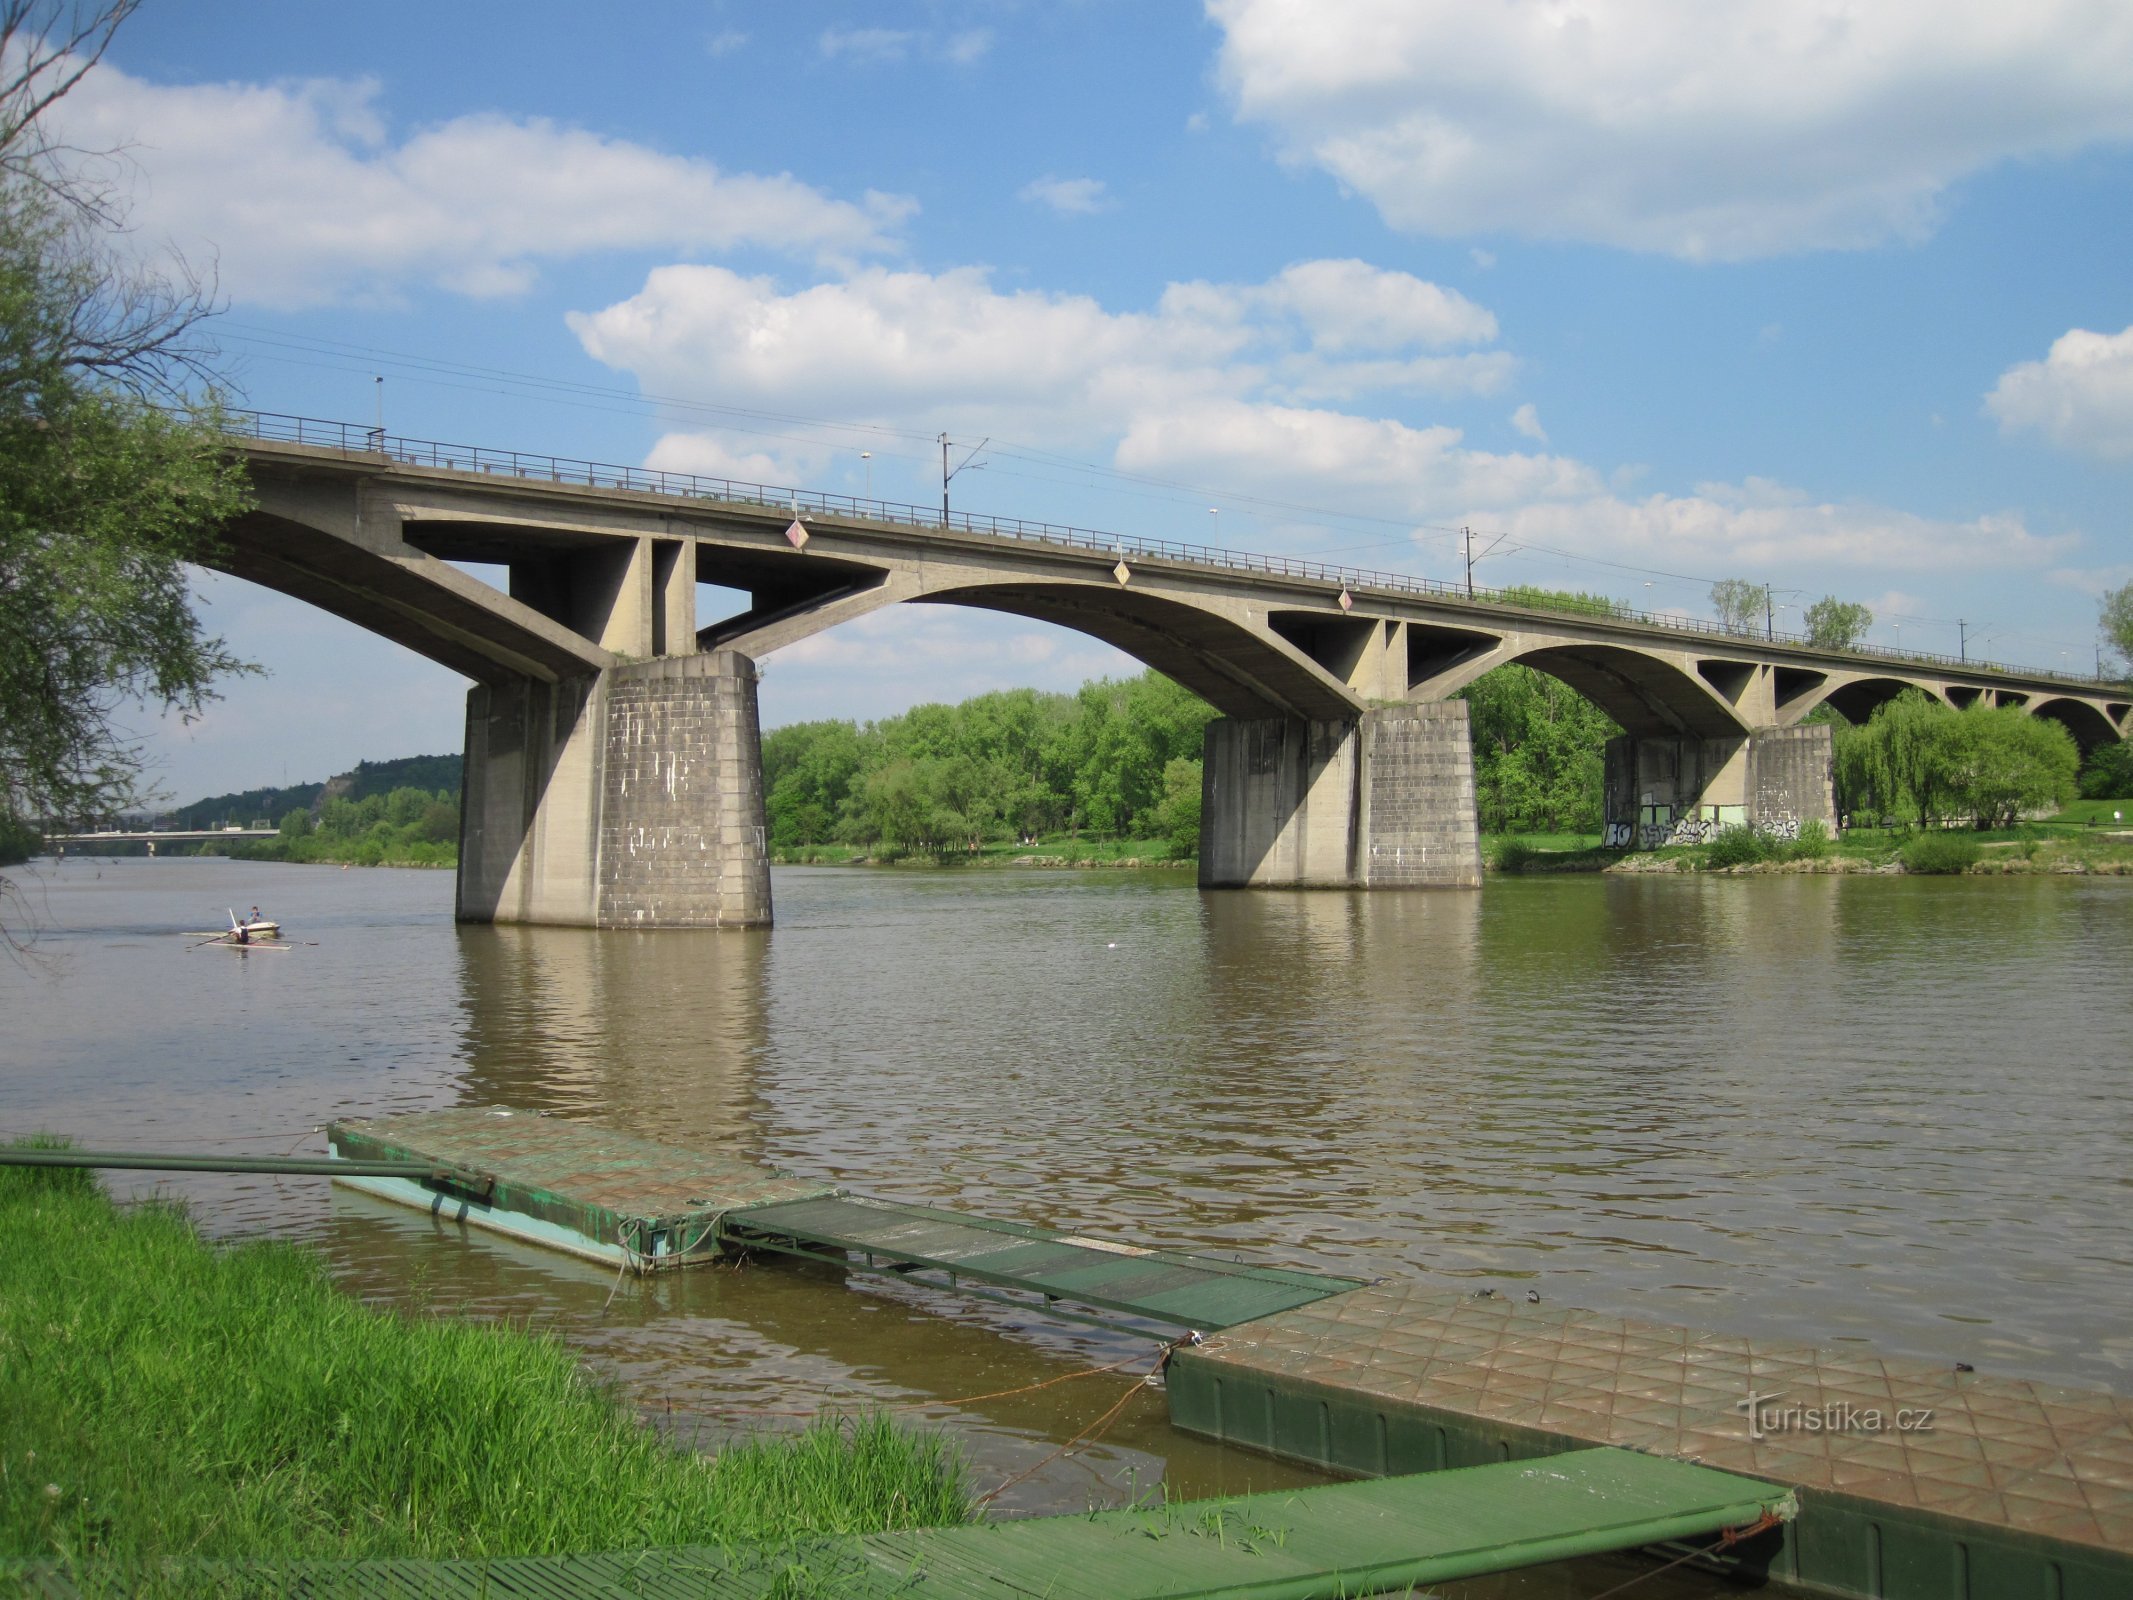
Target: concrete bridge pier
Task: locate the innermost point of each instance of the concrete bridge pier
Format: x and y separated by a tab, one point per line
1385	800
631	797
1679	788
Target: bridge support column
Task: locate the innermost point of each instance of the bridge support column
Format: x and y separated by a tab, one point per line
1679	789
1386	801
632	798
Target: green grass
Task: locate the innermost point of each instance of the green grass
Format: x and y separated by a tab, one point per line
164	1398
2096	814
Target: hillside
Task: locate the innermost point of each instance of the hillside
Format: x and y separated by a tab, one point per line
430	773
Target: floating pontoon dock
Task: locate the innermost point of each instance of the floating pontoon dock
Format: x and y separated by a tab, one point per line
1970	1488
648	1205
1914	1482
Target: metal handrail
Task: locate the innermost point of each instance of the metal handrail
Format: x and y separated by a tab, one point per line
355	439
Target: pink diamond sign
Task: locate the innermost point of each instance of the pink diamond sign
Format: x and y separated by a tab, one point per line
1347	599
796	536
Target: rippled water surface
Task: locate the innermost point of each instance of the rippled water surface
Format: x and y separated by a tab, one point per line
1833	1108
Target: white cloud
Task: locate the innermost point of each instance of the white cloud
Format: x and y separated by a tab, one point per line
1236	385
969	47
301	194
724	42
2080	396
1527	421
950	350
1706	131
866	44
1553	504
1067	196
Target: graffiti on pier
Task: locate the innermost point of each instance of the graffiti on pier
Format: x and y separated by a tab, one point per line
1657	832
1680	830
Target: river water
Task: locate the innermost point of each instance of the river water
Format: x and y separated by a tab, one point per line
1885	1110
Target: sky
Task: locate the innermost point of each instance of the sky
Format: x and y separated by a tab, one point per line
1647	293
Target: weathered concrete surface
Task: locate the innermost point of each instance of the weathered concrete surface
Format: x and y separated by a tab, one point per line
1417	825
1678	790
1385	801
1792	776
629	799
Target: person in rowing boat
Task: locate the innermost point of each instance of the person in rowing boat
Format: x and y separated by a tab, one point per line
241	934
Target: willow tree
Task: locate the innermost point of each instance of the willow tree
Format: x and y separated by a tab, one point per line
111	479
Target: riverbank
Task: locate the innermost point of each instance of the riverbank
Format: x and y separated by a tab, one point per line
2061	848
164	1398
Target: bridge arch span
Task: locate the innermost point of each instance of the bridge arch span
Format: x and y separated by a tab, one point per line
1857	699
1238	669
2088	724
1646	694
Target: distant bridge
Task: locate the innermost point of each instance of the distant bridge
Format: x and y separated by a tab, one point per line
613	770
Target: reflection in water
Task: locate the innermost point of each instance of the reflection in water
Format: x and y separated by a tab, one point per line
657	1033
1882	1109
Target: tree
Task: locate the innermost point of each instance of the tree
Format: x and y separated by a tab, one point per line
1575	600
1741	606
1177	815
104	496
2000	763
2116	621
1539	752
2108	774
1834	624
1917	757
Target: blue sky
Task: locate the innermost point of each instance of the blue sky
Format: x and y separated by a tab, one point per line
1649	294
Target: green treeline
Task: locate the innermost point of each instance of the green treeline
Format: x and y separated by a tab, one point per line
405	828
1917	760
1118	759
1121	760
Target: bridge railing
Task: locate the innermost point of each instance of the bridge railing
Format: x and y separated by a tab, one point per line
354	439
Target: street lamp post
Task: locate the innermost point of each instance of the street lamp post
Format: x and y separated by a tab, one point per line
868	457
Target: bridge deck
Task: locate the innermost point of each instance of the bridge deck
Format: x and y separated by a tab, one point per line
1349	1539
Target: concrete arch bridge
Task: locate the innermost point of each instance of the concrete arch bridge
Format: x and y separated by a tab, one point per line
614	771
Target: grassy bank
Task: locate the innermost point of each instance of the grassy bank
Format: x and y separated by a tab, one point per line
164	1398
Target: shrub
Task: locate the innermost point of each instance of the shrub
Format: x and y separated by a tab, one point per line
1814	842
1739	846
1511	855
1939	853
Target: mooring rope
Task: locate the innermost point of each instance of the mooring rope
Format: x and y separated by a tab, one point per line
1097	1429
1726	1540
927	1405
